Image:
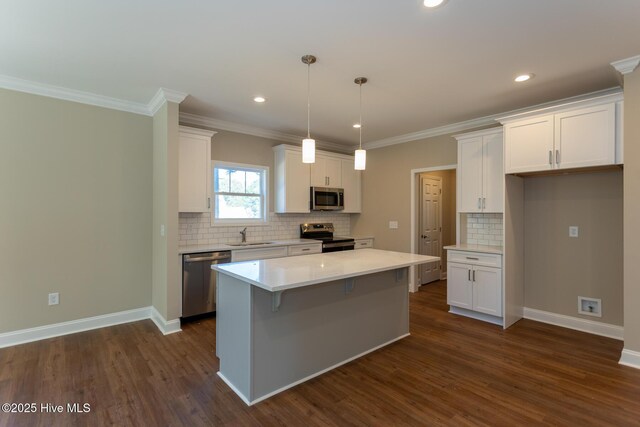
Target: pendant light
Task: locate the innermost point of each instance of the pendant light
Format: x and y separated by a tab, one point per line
308	144
361	155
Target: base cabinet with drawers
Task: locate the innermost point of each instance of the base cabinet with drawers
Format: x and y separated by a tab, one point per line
363	243
474	283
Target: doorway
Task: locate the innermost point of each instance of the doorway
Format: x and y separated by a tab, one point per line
434	222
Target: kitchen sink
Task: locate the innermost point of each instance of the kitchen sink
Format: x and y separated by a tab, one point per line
249	244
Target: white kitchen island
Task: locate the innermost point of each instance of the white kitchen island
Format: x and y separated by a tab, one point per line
283	321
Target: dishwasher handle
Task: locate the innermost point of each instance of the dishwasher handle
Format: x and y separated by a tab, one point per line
208	258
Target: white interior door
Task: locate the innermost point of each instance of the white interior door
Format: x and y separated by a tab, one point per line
430	226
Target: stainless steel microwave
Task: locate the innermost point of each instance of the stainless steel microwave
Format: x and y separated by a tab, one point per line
327	199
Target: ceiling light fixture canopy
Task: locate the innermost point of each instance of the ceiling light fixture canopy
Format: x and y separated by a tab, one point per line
308	144
259	99
361	155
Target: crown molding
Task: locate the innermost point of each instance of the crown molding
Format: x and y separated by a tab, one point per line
430	133
66	94
626	66
196	120
612	93
162	96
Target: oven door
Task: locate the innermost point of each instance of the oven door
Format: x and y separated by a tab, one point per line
327	199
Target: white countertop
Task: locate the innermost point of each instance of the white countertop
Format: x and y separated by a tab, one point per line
278	274
476	248
193	249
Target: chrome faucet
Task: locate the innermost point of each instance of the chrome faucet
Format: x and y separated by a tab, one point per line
244	235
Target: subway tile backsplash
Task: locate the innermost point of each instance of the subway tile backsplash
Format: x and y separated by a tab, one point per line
196	229
485	229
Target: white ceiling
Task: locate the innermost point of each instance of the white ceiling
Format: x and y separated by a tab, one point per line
426	68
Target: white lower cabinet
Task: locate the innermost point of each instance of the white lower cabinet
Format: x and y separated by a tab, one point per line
474	286
363	243
259	253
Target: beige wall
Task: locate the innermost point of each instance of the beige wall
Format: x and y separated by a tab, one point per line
559	268
632	211
75	186
167	270
386	185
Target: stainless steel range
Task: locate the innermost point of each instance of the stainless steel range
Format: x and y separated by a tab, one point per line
324	232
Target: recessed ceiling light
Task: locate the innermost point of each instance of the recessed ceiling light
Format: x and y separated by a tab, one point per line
357	125
259	99
523	77
433	3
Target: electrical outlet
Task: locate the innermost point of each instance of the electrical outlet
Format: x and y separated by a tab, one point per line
54	298
393	225
573	231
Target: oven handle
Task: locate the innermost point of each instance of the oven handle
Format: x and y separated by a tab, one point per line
338	244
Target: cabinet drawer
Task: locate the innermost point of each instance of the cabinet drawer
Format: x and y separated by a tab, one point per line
262	253
314	248
475	258
364	243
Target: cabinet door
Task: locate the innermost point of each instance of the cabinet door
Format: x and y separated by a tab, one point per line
318	175
528	145
333	170
459	285
296	184
492	174
326	172
487	290
585	137
351	182
470	175
194	172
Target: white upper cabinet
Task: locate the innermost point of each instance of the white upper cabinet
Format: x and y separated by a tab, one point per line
480	171
586	137
351	182
326	172
529	145
577	135
194	170
291	181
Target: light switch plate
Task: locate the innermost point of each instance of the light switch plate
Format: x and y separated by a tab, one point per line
162	230
393	225
573	231
54	298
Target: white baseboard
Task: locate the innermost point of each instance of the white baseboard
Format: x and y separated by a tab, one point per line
630	358
584	325
166	326
58	329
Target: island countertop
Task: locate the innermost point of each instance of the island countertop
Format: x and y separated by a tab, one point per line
278	274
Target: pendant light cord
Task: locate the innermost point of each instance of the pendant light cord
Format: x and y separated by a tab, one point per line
309	101
360	84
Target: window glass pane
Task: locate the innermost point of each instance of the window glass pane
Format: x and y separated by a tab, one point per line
253	182
237	181
242	207
221	181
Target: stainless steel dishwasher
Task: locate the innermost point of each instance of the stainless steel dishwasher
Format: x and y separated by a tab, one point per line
199	282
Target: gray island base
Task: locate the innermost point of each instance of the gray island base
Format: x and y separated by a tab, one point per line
281	322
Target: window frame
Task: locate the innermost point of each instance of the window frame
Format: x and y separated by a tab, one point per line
264	186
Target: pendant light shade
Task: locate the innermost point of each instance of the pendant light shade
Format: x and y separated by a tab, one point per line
361	155
308	150
308	144
361	160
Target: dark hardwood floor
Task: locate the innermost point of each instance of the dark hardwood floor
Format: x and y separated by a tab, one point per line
450	371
